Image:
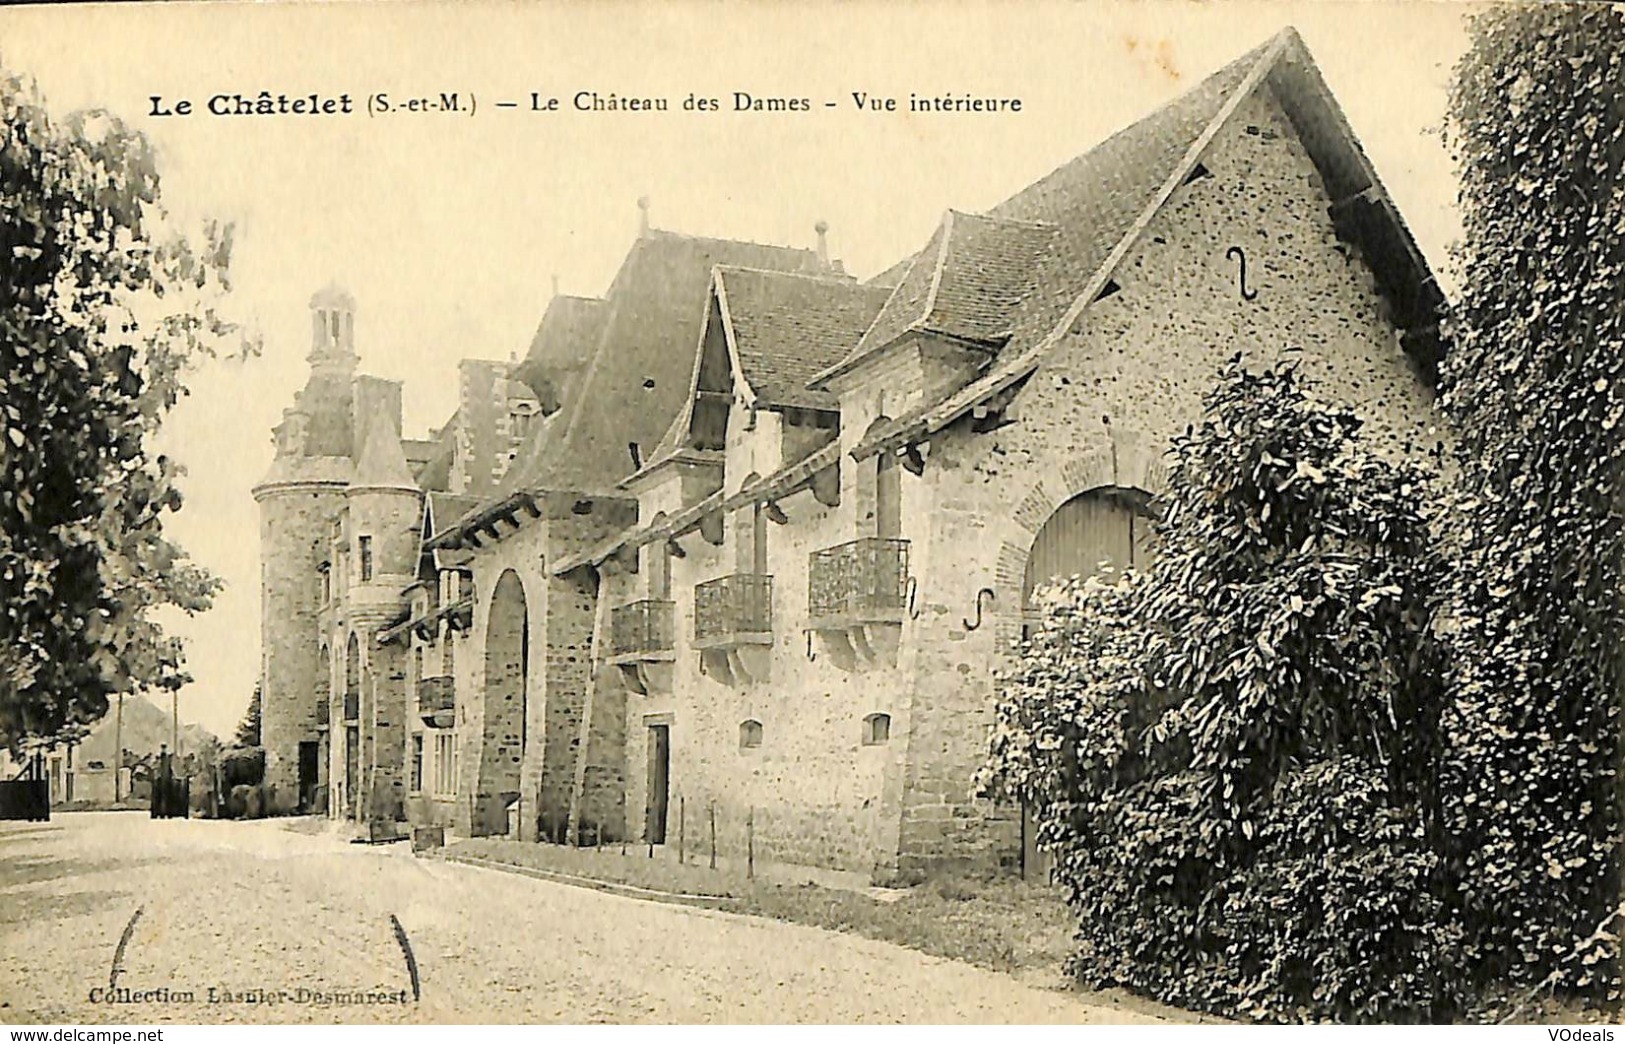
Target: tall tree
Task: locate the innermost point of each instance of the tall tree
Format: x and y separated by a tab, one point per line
248	730
1536	380
103	306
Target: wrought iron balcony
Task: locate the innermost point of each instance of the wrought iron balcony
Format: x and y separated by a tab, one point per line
864	581
437	700
324	712
734	610
641	630
352	706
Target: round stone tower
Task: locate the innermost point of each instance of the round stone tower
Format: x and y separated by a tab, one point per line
299	498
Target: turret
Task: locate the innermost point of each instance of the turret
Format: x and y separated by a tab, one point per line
299	498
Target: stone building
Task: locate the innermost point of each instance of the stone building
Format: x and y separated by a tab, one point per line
752	573
341	515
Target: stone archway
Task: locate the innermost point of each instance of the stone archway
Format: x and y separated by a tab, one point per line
1130	461
1102	530
502	742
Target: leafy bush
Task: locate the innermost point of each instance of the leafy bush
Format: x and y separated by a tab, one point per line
242	765
1536	381
1230	754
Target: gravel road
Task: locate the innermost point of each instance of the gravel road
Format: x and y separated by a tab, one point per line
284	926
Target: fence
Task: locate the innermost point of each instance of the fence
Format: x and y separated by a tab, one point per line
171	798
25	799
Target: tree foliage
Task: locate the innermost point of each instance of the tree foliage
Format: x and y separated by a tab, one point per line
1536	381
103	306
248	730
1229	753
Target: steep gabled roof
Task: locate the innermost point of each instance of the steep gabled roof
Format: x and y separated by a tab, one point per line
638	377
785	328
442	511
561	348
382	464
435	473
964	284
1104	199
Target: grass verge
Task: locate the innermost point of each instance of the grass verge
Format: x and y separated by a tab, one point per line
999	923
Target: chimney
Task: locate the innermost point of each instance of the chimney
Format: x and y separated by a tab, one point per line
643	215
555	284
822	228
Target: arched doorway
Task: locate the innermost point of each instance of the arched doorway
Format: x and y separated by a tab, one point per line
351	783
1108	528
502	747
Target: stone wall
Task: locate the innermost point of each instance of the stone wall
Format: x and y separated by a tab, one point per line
815	793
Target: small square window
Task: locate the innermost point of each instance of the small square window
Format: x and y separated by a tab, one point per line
876	729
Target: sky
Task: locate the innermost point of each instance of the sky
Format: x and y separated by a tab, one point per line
450	228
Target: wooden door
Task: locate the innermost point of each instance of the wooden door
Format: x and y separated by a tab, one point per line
307	775
659	781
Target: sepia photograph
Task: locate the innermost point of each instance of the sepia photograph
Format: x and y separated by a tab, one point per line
1100	512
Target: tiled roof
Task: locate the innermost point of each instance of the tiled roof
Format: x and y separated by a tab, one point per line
965	284
1102	200
1095	199
987	269
383	463
435	473
638	377
1095	202
910	301
787	328
444	509
563	345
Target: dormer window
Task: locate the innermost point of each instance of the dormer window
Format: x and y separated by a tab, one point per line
520	418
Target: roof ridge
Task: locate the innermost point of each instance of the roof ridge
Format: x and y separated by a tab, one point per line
698	238
930	306
817	277
1254	54
982	215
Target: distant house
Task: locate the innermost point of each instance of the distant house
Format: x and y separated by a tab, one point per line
86	771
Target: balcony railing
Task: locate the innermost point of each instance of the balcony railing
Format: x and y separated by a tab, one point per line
863	581
437	699
641	628
352	706
324	711
734	610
